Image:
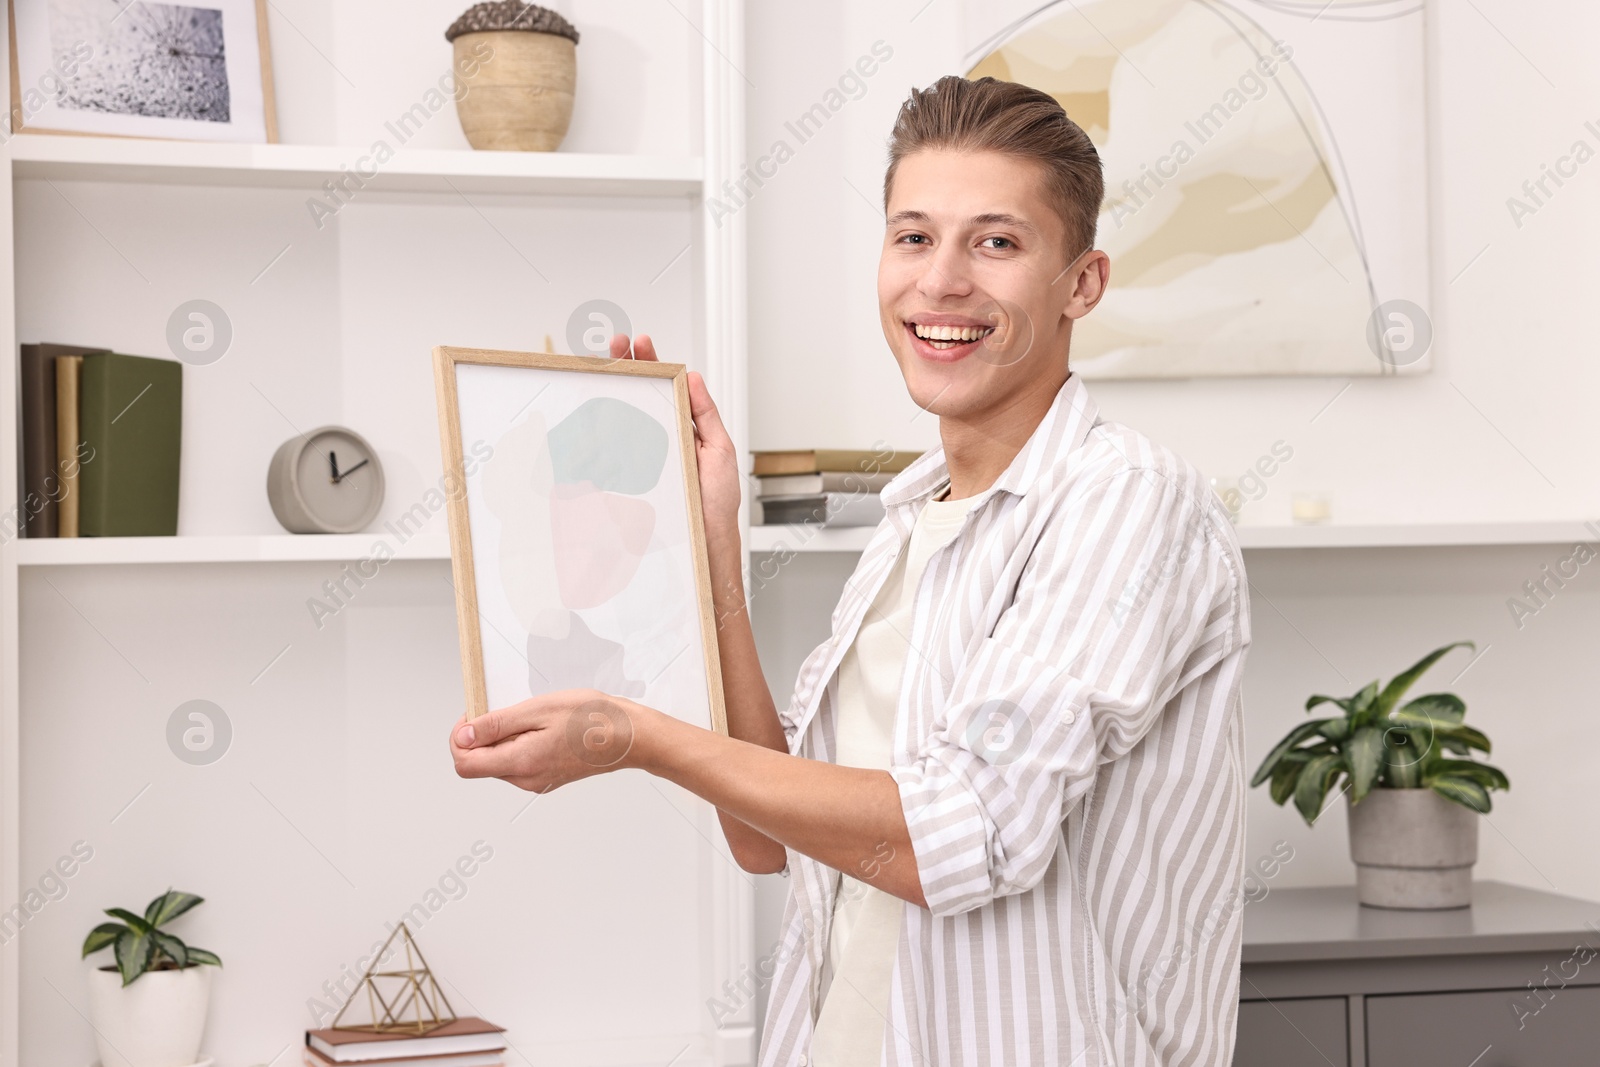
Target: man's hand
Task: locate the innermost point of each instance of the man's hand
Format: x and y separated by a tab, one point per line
714	452
548	741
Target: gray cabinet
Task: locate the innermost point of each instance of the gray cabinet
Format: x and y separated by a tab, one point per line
1512	981
1293	1033
1488	1029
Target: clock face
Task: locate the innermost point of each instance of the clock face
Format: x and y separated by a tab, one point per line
339	480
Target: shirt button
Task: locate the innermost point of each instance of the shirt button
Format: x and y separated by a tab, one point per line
802	1060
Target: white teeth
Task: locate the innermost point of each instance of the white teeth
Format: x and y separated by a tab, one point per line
951	333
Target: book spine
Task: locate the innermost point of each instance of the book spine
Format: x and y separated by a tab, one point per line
94	427
850	482
789	484
68	469
844	509
39	474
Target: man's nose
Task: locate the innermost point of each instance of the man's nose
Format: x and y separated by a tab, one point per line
945	273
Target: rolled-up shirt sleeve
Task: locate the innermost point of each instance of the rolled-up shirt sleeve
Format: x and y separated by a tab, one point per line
1127	596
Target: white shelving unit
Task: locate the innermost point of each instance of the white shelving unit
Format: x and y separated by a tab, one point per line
647	915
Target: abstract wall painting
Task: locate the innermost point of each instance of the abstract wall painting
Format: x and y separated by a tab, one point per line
1266	177
575	530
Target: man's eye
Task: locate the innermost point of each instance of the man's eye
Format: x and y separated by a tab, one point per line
915	238
998	242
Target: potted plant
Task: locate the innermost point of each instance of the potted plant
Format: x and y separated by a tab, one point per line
148	1009
1413	789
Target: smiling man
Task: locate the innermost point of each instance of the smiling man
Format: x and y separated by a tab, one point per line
1008	787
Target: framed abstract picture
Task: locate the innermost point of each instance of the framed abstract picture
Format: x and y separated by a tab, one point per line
194	71
576	540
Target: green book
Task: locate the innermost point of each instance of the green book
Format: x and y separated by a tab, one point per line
131	420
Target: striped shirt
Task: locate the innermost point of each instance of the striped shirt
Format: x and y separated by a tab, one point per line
1068	751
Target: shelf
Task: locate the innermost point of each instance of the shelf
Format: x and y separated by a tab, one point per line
244	548
854	539
309	166
1422	535
299	548
803	538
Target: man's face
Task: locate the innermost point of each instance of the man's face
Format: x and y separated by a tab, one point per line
977	288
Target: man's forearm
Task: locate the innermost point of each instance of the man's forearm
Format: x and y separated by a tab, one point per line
847	817
747	701
752	715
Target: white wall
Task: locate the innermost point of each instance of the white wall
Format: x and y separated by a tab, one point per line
1509	405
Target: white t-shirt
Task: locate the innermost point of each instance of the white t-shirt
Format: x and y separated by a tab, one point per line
866	920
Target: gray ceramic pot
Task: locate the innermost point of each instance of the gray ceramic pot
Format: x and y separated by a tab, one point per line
1413	849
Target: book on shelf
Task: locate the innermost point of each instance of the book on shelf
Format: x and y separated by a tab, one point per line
100	441
822	509
68	440
130	415
456	1038
41	488
815	460
824	482
492	1058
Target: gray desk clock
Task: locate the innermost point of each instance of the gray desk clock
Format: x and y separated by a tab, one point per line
325	481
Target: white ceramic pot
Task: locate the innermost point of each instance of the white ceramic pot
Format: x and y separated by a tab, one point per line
156	1021
1413	849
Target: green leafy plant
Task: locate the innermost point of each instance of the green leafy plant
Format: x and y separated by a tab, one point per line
141	945
1377	744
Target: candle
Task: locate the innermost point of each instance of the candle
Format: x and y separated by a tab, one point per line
1309	508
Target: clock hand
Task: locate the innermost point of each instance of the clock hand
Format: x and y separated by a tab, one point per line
333	462
352	470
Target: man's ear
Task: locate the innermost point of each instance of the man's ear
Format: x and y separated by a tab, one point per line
1088	275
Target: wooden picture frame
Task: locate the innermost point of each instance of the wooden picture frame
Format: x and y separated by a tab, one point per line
568	435
142	127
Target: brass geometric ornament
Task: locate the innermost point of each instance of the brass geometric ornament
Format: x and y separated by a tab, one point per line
400	1002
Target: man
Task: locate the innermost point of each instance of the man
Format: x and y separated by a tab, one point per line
1008	787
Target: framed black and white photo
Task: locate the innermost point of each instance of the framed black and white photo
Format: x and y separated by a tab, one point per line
197	71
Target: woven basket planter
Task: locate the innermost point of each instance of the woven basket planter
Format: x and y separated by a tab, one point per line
520	98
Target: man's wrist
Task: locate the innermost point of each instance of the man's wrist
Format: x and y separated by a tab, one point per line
649	727
726	564
722	540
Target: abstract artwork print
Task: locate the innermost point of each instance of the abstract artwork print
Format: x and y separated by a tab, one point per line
585	555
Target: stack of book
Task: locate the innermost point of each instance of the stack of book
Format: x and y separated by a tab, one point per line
469	1042
100	443
824	486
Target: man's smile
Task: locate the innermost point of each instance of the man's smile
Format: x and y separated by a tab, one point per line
946	338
